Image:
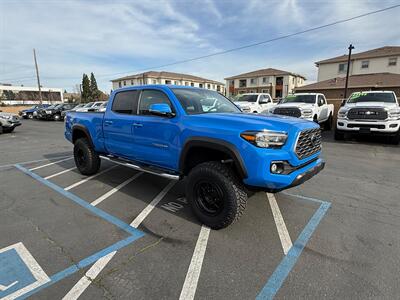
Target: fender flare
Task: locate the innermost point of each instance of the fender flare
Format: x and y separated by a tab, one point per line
215	144
79	127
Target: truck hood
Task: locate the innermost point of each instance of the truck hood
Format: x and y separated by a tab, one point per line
241	121
245	104
4	114
371	104
297	104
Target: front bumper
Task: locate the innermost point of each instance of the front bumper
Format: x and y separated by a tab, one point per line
366	127
13	124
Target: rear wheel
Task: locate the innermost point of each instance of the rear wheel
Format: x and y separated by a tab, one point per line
86	159
216	195
57	117
328	123
30	116
339	135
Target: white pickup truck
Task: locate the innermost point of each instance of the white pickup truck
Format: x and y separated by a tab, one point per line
309	106
254	102
371	113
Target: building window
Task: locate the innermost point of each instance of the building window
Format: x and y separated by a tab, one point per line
131	81
120	84
242	83
192	84
167	81
365	64
154	81
124	82
343	68
209	86
252	81
293	80
186	83
232	82
264	80
176	82
218	88
392	61
200	85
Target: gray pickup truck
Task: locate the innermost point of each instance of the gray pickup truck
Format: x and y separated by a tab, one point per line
8	122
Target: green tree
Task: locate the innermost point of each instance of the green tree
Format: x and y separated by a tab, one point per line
94	91
86	94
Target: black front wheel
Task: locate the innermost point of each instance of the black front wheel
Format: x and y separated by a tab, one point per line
339	135
86	159
216	195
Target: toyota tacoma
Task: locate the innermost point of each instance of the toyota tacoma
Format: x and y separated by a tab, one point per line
222	152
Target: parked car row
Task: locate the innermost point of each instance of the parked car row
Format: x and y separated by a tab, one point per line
57	112
8	122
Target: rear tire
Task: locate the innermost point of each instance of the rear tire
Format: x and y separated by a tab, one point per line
30	116
86	159
216	195
339	135
8	130
328	123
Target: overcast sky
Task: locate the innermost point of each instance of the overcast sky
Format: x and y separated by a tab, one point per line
117	38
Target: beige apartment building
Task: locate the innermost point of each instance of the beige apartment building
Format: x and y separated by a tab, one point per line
162	77
276	82
380	60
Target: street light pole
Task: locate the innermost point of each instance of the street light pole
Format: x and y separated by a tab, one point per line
37	76
351	47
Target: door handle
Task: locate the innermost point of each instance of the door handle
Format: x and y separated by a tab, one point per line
108	122
137	124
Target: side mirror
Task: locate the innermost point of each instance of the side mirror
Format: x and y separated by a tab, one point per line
161	109
343	102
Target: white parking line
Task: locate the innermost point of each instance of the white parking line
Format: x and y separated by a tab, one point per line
50	164
99	265
31	161
59	173
116	189
280	224
193	274
89	178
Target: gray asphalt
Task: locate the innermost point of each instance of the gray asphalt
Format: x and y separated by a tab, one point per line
353	253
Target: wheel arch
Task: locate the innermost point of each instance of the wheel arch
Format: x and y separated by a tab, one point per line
80	131
201	149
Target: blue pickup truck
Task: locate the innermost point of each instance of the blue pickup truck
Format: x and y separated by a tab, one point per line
184	132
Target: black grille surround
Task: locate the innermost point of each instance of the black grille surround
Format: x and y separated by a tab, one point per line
308	143
288	111
367	113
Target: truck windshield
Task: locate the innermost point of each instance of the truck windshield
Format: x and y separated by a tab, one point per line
299	99
247	98
371	97
197	101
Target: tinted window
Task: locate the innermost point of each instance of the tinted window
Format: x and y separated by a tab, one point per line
247	98
299	99
125	102
150	97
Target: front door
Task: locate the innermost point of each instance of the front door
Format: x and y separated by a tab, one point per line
156	137
118	124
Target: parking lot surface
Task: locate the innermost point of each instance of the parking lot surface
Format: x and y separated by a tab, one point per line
123	234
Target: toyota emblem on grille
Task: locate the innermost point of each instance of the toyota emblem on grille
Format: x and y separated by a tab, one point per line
313	139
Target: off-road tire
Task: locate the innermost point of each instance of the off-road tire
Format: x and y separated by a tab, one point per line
339	135
86	159
328	123
8	130
234	194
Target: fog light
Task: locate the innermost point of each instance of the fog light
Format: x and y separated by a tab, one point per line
340	123
393	125
277	168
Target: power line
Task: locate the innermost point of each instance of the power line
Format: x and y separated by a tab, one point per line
261	42
244	46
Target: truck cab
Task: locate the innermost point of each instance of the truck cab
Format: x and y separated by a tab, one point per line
254	102
369	113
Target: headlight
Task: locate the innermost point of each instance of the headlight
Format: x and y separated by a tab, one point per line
48	112
266	138
7	117
342	113
394	113
306	113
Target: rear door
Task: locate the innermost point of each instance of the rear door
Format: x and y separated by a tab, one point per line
156	137
118	123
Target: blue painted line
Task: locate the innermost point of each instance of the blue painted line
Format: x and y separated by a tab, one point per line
286	265
134	233
97	211
80	265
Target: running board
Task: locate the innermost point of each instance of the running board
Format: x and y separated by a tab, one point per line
125	163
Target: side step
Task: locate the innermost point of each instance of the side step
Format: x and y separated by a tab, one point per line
154	171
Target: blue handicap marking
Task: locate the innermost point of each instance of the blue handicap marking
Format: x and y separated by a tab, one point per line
19	272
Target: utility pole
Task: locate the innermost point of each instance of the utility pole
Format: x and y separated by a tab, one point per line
37	76
351	47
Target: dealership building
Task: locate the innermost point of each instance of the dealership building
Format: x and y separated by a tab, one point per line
21	95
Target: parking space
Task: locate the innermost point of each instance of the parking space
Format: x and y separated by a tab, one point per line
124	234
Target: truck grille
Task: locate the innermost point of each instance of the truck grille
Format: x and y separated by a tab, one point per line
372	113
308	143
288	111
